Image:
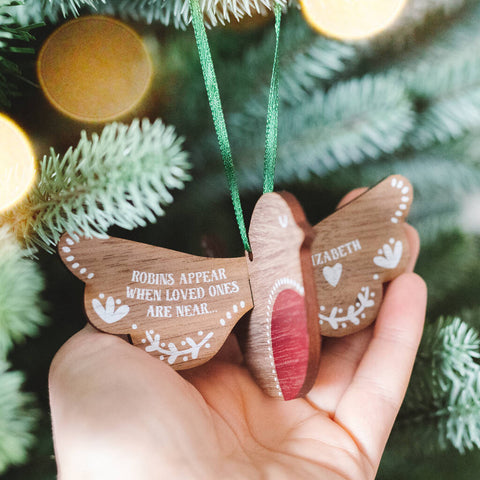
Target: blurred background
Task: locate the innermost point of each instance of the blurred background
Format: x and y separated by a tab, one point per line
107	98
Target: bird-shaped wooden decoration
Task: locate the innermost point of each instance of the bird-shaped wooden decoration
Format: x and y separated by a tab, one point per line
356	250
296	285
181	308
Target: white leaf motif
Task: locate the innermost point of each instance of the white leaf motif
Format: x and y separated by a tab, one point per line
173	352
108	313
391	258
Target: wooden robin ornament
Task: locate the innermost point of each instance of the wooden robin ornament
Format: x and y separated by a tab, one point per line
181	308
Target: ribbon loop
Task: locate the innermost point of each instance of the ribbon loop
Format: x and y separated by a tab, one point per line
214	100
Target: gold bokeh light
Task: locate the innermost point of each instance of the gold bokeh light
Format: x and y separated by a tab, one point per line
94	69
351	19
17	163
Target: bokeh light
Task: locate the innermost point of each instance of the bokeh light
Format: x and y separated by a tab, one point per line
17	163
94	69
351	19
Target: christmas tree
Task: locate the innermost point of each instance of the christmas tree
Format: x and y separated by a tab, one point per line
405	101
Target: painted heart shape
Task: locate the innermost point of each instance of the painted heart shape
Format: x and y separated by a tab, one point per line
332	274
108	313
391	258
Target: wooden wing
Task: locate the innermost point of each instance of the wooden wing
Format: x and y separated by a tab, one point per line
281	341
355	251
177	307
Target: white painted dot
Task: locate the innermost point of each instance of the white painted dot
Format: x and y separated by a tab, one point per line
373	294
144	340
101	295
405	199
118	301
273	371
134	326
151	331
405	190
279	393
402	206
222	322
322	308
83	270
392	240
162	344
228	315
70	258
242	304
400	184
90	275
398	213
200	333
207	345
357	304
340	310
321	322
75	265
69	241
162	357
363	315
235	308
66	249
185	358
394	182
376	277
380	251
344	325
184	342
278	386
276	379
394	220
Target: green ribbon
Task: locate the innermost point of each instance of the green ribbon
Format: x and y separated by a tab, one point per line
219	118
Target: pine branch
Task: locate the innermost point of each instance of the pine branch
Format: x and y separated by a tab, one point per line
21	284
355	121
307	61
121	177
177	13
54	10
444	390
167	12
12	40
17	419
417	23
448	94
70	7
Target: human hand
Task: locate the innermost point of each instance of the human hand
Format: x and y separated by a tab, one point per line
120	414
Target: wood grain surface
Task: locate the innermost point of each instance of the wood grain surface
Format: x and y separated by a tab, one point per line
177	307
355	251
281	338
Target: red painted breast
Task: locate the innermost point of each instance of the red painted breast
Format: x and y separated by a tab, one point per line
290	342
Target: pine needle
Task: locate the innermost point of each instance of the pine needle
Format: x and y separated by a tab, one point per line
121	177
445	387
12	43
17	419
21	284
354	121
